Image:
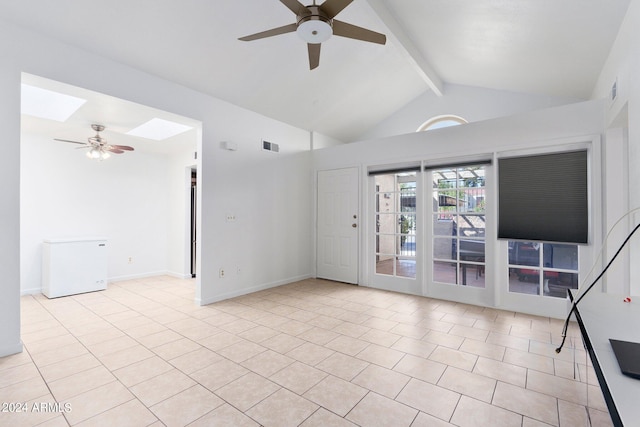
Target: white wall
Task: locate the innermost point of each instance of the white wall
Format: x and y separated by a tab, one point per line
269	196
10	206
542	129
472	103
319	141
623	66
535	127
270	193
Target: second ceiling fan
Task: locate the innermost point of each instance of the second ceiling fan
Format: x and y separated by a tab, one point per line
98	147
315	24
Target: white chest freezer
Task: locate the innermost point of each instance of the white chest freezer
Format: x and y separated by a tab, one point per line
74	266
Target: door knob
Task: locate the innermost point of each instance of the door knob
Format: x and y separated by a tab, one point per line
354	225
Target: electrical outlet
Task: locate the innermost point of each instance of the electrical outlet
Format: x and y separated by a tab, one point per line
130	260
231	217
221	273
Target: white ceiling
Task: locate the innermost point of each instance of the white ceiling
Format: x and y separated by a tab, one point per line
117	115
550	47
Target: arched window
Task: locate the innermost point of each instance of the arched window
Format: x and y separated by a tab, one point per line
441	122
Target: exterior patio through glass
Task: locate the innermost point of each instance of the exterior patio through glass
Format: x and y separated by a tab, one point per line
459	225
456	216
396	224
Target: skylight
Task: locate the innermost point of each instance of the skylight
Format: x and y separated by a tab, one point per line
159	129
47	104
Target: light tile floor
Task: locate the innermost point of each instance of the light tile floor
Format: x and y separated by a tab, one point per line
312	353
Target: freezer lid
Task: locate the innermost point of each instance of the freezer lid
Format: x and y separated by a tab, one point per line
75	239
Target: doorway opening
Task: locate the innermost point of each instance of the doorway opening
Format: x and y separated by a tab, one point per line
127	198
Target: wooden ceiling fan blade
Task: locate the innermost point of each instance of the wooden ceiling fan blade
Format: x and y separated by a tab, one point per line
122	147
114	150
270	33
296	7
314	55
73	142
343	29
334	7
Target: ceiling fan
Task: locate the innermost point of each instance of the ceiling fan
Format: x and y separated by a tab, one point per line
315	24
98	147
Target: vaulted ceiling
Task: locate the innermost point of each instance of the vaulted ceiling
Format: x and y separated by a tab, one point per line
550	47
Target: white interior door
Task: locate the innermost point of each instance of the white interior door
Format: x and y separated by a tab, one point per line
338	223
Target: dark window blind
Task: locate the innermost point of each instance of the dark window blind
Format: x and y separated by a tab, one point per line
544	198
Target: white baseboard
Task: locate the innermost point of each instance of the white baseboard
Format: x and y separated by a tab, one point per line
210	300
145	275
32	291
178	275
252	289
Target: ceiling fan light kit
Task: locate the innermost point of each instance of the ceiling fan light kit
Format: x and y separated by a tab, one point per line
98	147
315	28
97	154
316	24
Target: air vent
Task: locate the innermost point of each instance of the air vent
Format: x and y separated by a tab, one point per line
270	146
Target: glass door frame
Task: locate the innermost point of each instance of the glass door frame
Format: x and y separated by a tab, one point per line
454	292
458	224
396	283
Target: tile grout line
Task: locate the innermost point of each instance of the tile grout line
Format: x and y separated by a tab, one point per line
95	388
290	296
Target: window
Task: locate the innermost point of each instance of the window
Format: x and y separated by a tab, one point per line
441	122
546	269
544	197
459	225
395	233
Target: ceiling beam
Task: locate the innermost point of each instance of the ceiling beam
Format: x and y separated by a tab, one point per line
406	47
